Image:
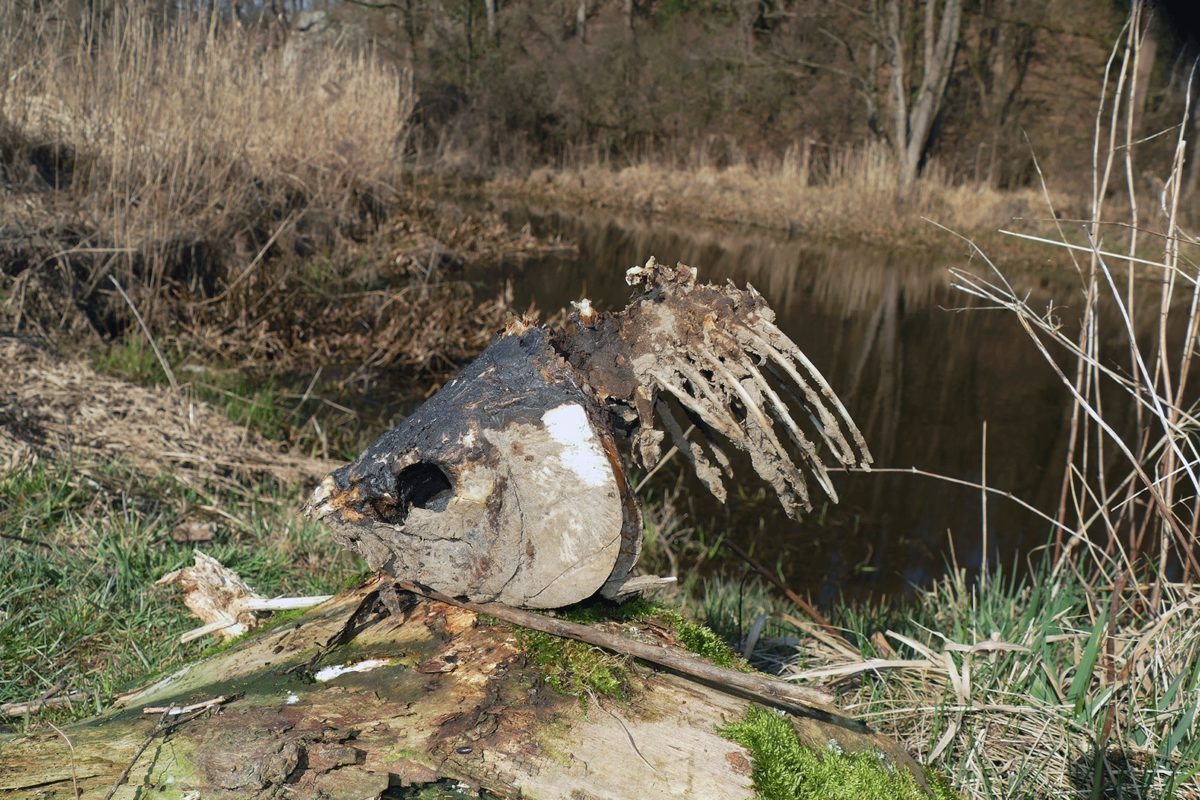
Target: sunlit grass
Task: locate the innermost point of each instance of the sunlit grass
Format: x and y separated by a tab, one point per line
272	406
244	399
856	198
79	556
1038	708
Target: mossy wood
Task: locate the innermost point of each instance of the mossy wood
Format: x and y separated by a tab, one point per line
451	695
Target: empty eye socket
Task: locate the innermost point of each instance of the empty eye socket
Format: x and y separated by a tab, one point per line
423	485
420	485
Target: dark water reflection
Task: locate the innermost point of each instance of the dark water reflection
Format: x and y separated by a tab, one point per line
920	378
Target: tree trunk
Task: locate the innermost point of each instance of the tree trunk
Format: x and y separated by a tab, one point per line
913	113
1146	55
489	7
1191	186
452	696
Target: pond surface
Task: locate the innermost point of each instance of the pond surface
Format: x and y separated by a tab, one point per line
918	373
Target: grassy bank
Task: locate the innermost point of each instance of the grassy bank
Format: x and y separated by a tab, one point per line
1025	685
254	217
1020	687
855	198
82	549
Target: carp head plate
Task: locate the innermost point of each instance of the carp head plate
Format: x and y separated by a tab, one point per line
506	485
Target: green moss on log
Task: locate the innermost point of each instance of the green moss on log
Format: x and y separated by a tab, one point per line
575	668
580	670
785	769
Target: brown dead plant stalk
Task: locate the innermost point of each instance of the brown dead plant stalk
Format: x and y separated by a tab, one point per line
1134	490
145	145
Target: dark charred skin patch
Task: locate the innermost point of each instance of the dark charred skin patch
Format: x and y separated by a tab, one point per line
513	382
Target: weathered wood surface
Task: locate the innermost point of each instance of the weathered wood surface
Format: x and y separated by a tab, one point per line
452	696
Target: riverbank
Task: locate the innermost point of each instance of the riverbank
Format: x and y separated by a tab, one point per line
856	202
243	204
212	289
1013	686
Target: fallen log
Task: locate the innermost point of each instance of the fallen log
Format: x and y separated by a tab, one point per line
351	701
756	687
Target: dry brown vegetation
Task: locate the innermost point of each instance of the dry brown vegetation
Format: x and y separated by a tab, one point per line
249	203
63	409
245	195
1086	680
856	196
797	114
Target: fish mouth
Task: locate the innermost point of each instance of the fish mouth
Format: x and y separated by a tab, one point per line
319	506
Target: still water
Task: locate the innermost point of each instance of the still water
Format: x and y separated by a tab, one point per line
920	371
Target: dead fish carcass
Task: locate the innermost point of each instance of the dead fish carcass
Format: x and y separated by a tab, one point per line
507	485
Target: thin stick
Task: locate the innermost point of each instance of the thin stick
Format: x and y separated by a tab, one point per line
983	568
71	747
35	706
124	776
662	461
212	627
774	692
258	258
990	489
805	606
1087	249
157	353
175	711
253	604
162	726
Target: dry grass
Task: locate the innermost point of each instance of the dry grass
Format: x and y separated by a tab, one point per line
242	193
63	409
1022	687
1020	690
164	130
105	486
1082	679
854	196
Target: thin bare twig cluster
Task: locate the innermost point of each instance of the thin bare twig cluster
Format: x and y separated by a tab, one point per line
1135	490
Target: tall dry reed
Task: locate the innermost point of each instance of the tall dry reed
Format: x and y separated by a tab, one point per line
850	191
146	130
1082	680
1131	495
